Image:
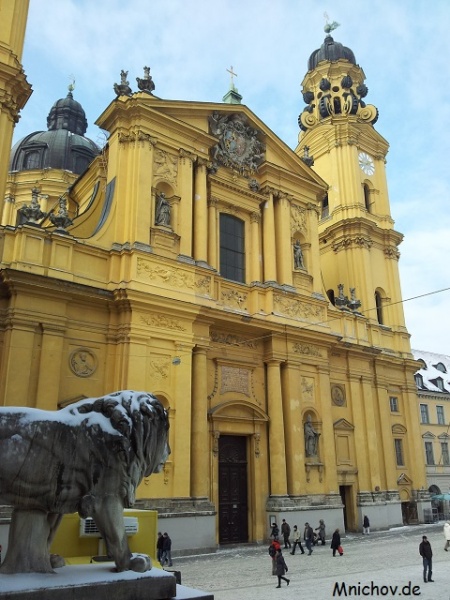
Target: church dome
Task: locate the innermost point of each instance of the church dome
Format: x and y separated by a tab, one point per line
63	146
330	51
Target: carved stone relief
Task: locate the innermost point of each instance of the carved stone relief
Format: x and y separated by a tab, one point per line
235	379
298	219
83	362
165	166
338	395
296	308
307	385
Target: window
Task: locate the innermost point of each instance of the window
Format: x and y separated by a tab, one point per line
379	308
325	207
424	418
399	452
419	380
32	160
444	452
393	401
367	197
439	382
232	248
440	415
429	453
441	367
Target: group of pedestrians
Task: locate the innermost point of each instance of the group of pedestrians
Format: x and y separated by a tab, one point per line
164	549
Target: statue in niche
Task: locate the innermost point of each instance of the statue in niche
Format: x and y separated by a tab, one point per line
311	438
298	256
162	213
88	457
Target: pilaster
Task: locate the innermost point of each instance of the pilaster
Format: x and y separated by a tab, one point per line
200	212
199	426
269	249
277	450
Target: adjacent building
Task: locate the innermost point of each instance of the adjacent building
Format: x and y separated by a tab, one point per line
252	288
433	390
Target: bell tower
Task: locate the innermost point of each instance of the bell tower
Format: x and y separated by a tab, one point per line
358	243
14	88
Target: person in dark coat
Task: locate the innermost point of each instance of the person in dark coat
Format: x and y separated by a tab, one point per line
366	525
275	532
336	542
426	553
308	536
281	568
159	547
286	532
166	550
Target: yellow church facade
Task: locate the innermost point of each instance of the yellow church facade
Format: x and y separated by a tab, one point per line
257	296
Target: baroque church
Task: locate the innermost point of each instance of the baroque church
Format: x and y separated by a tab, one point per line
254	289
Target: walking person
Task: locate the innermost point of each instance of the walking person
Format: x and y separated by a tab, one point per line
281	568
426	553
366	525
275	532
297	540
336	543
321	530
159	547
166	550
447	535
286	532
308	536
273	548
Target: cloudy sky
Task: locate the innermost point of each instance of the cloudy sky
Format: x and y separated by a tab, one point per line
401	45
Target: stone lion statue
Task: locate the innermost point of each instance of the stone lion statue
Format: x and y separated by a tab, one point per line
88	458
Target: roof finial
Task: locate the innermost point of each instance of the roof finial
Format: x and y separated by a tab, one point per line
329	27
71	85
232	74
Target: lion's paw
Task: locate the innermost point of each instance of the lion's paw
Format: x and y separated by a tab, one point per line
140	563
57	561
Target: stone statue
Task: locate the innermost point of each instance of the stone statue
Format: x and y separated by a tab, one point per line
311	438
298	256
162	213
88	457
61	219
33	213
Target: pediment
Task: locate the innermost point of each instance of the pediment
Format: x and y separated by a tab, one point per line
443	436
404	480
428	435
343	424
399	429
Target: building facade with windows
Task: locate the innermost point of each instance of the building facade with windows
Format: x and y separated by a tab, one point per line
252	288
433	390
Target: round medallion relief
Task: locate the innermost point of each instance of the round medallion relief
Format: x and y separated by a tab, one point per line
83	362
338	395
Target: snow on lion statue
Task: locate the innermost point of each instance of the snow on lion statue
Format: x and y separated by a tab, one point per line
88	458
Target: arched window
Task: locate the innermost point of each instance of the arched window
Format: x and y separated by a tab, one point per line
32	160
440	367
232	248
366	197
330	294
379	307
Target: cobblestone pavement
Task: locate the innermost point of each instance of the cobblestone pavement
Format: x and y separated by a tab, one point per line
380	565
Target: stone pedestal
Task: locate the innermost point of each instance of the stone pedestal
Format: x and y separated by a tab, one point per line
96	582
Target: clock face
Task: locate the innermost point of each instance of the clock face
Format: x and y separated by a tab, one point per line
366	163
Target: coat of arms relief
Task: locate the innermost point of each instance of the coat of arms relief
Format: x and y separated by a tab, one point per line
238	147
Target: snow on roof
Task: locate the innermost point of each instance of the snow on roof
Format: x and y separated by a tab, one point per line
436	367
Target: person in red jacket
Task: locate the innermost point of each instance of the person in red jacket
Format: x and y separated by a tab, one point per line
273	548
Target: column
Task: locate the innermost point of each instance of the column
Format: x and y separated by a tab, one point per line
255	247
277	450
212	233
199	426
312	253
284	248
291	390
269	250
200	212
